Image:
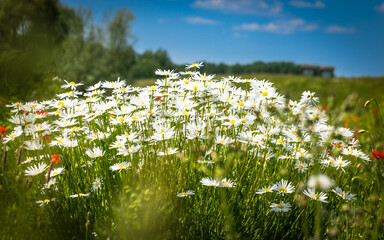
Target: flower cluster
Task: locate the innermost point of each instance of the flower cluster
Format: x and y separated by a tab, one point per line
119	128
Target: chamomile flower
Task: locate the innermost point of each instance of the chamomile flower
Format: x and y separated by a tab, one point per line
266	189
344	195
284	187
194	65
281	207
224	140
56	171
340	163
96	184
301	166
310	192
71	85
210	182
169	151
50	183
227	183
35	170
319	181
120	166
45	201
79	195
186	194
95	152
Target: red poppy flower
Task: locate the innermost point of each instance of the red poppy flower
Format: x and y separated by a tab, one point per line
55	157
3	129
338	145
46	138
377	154
42	112
159	99
325	107
4	136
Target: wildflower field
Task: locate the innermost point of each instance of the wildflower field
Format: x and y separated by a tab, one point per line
194	156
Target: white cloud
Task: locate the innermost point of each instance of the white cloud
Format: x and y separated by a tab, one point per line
239	35
201	20
256	7
280	27
339	29
380	8
305	4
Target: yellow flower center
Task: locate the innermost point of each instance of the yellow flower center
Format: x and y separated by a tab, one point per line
267	190
264	94
232	122
121	166
281	206
240	104
282	189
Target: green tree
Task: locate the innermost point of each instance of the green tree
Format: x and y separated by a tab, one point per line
30	32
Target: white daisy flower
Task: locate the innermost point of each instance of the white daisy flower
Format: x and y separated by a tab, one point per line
227	183
344	195
284	187
35	170
281	207
319	181
95	152
45	201
169	151
210	182
339	163
120	166
194	65
56	171
266	189
96	184
301	166
310	192
79	195
186	194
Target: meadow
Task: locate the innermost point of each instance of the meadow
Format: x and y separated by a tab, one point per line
196	156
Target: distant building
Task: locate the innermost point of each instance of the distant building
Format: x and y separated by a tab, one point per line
327	72
309	70
315	70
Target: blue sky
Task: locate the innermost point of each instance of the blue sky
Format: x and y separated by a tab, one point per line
346	34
